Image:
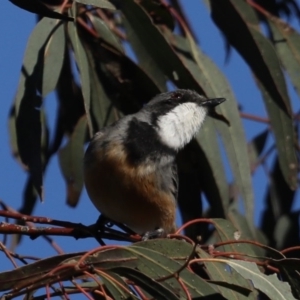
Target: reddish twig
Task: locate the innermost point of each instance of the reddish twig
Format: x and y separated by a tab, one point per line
254	118
8	255
188	296
181	237
76	230
139	292
82	290
290	249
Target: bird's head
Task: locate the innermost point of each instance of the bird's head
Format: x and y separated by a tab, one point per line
177	116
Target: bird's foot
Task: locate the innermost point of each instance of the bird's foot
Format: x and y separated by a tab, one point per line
153	234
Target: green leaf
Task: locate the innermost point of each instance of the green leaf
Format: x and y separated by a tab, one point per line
243	33
146	61
101	107
227	232
287	45
155	265
163	54
28	101
215	84
34	59
39	8
233	136
99	3
53	59
71	162
217	272
174	249
13	134
116	286
216	190
282	125
152	287
29	273
256	147
82	62
105	32
270	285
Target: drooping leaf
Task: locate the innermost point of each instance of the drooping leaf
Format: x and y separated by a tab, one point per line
163	54
102	109
243	33
38	7
99	3
116	286
155	265
154	288
82	63
127	85
215	84
219	274
255	148
53	61
28	101
70	105
71	162
270	285
145	59
26	274
287	44
105	32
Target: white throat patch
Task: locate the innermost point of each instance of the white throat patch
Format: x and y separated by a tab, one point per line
180	125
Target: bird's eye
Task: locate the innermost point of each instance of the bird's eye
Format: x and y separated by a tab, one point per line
176	95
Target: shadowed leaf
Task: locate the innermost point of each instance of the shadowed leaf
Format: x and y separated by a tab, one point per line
53	62
268	284
38	7
82	63
71	162
287	44
219	275
99	3
243	33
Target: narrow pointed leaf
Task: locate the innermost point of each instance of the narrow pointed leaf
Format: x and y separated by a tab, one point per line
146	61
256	147
243	33
99	3
101	106
283	129
287	45
118	290
53	61
152	287
233	136
217	272
268	284
71	162
82	62
215	84
207	138
34	59
37	7
105	32
163	54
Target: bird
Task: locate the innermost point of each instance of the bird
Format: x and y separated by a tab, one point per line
130	171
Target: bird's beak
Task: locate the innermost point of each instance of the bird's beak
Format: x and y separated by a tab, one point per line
212	102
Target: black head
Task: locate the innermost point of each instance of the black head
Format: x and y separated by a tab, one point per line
165	102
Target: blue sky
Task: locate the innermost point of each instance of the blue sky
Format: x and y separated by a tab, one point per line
16	27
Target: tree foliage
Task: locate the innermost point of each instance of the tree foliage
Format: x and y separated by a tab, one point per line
78	50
